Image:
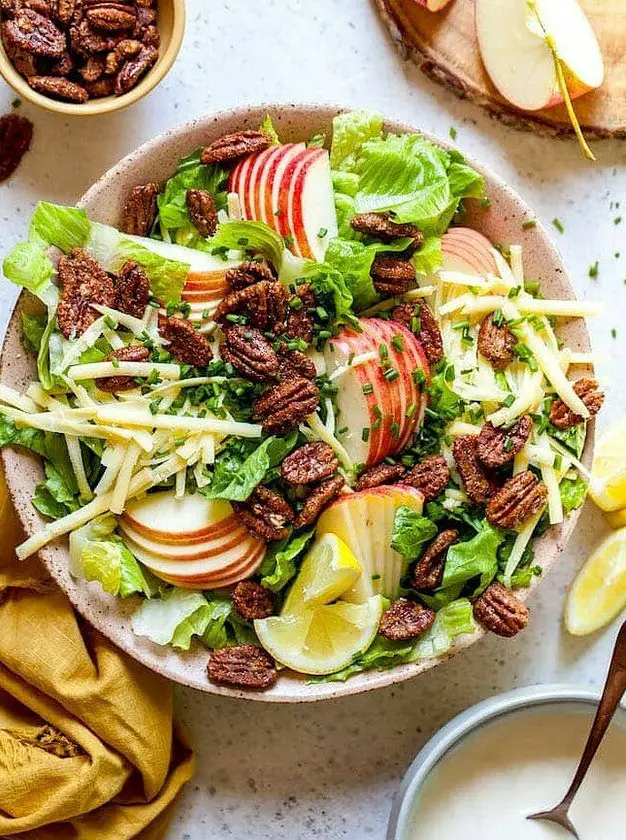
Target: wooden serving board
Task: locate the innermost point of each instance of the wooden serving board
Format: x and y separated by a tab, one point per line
445	47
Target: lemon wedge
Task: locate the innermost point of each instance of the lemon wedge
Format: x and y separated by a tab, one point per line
598	593
608	471
617	518
328	570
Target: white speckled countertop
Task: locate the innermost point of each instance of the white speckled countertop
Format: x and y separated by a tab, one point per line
331	770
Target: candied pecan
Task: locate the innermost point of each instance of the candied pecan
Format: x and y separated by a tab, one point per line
84	282
59	88
16	134
245	666
8	8
517	500
92	69
292	364
132	289
299	323
140	209
85	40
253	601
496	343
429	334
265	514
128	48
392	275
101	88
146	18
381	226
405	620
36	34
202	211
27	64
498	446
318	499
247	274
235	146
134	69
111	16
132	353
42	7
430	477
587	389
286	405
478	484
65	11
62	67
428	570
263	305
500	611
150	36
249	353
309	464
380	474
185	343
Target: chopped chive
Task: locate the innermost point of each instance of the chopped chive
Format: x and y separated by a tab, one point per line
528	224
508	444
398	343
365	435
322	314
368	389
613	333
391	374
243	241
498	317
452	133
288	240
558	224
383	352
508	400
295	302
594	269
410	411
322	232
350	359
375	577
617	220
395	430
416	324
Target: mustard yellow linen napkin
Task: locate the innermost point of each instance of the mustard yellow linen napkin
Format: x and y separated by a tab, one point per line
88	746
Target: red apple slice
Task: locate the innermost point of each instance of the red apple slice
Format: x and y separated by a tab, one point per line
400	390
312	215
217	565
227	538
194	576
467	251
239	183
164	518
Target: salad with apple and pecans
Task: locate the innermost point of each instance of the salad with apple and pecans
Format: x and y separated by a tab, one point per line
295	408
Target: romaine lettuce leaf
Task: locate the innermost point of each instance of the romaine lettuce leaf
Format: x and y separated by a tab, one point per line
237	483
573	438
429	257
64	227
33	329
256	237
573	493
454	620
477	557
54	497
28	265
167	277
350	131
49	445
279	564
267	127
410	532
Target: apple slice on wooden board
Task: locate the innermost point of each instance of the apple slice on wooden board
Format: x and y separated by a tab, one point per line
467	251
364	521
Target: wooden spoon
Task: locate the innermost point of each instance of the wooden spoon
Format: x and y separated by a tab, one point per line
614	690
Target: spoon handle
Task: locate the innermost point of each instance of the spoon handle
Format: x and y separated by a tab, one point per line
614	690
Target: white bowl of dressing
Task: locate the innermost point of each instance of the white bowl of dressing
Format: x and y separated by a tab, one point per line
512	755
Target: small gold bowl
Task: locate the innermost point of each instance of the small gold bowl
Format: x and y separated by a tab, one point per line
171	24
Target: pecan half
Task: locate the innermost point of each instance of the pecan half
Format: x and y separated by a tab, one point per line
86	41
431	477
299	323
247	274
587	389
378	475
429	334
128	48
286	405
202	211
500	611
140	209
27	64
292	364
101	88
185	343
111	16
263	305
405	620
84	282
59	88
265	514
62	67
134	69
381	226
65	11
478	484
517	500
309	464
16	134
317	500
253	601
249	353
497	446
245	666
132	289
115	384
496	343
392	275
235	146
428	571
35	34
92	69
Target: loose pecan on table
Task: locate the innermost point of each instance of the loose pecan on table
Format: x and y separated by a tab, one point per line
234	146
498	446
381	226
292	364
132	290
34	33
59	88
16	134
249	353
431	477
265	514
392	275
428	571
405	620
321	496
140	209
496	343
247	274
309	464
202	211
253	601
500	611
83	283
587	389
115	384
185	343
427	329
286	405
263	305
478	484
517	500
380	474
245	666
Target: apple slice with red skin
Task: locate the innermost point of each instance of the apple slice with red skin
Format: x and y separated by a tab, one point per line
164	518
217	543
467	251
312	205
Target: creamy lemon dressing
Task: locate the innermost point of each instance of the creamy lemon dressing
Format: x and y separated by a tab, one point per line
518	765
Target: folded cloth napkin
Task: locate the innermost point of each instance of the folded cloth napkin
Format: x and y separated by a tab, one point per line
88	747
